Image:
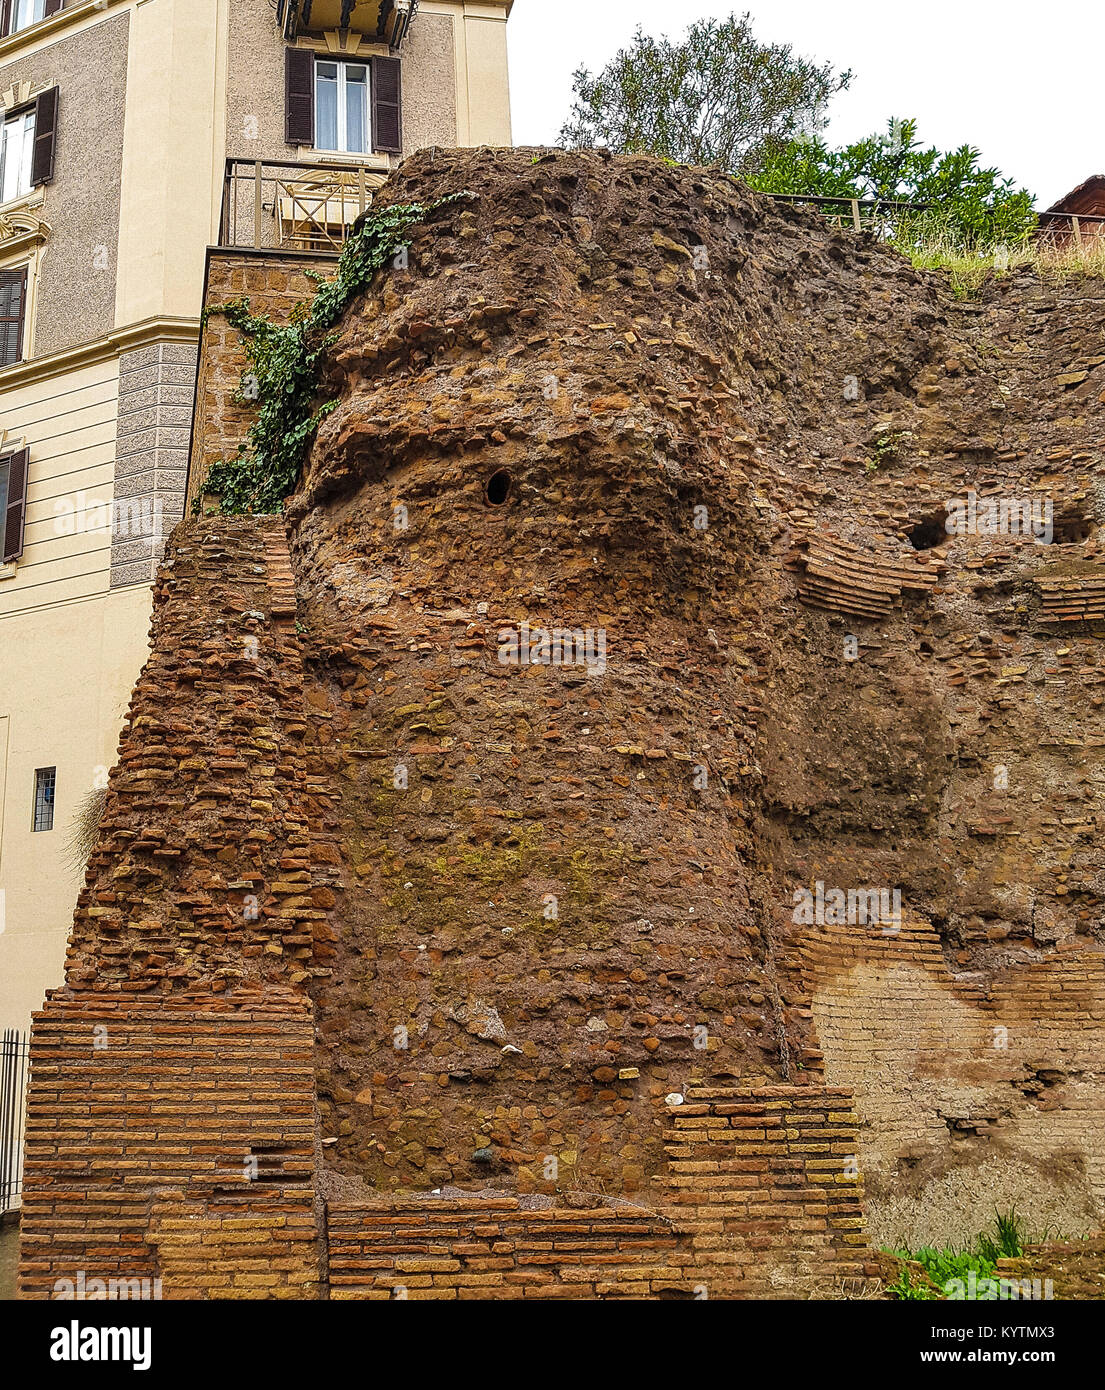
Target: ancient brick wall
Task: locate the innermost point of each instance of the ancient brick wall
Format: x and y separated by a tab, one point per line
498	1248
973	1094
529	900
172	1141
216	860
767	1192
763	1200
1075	1268
171	1112
274	283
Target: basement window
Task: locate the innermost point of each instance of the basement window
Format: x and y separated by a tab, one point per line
45	785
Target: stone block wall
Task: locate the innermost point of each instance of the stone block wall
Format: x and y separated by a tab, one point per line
151	455
274	283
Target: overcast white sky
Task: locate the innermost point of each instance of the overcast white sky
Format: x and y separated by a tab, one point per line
1022	81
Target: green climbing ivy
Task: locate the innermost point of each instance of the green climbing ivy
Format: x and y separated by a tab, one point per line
281	378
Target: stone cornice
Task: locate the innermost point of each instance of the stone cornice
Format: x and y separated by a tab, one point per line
136	335
56	24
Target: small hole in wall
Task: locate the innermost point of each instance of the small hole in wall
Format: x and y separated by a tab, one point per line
1072	529
498	487
929	533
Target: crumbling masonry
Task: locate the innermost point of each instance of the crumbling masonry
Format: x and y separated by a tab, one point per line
404	970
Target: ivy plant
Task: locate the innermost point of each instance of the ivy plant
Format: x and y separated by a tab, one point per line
283	361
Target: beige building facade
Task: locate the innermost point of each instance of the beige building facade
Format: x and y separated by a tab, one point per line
119	118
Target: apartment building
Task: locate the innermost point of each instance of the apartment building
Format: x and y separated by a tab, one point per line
135	134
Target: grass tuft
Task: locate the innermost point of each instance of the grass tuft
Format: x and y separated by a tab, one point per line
930	244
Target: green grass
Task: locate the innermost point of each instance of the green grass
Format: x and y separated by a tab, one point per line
931	246
1003	1240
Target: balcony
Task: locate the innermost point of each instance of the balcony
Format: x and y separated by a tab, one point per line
381	21
279	205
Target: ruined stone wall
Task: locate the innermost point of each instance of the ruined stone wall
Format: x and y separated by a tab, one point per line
970	1099
274	283
724	431
532	904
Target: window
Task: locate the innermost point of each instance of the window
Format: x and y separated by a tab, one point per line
28	146
344	107
17	147
341	107
26	13
21	14
13	504
13	304
45	782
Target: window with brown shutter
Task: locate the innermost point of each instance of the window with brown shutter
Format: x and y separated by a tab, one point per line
13	309
387	105
14	484
300	96
46	137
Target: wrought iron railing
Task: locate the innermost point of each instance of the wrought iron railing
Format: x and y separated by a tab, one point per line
279	205
14	1050
853	212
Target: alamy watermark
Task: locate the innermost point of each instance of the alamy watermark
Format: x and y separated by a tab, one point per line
557	646
83	1289
122	518
853	907
1001	516
985	1290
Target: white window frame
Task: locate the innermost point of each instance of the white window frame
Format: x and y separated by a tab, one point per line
37	13
343	105
25	156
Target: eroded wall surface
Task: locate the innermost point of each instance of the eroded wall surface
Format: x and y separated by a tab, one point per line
543	912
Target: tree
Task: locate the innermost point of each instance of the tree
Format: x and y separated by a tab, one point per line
972	205
718	97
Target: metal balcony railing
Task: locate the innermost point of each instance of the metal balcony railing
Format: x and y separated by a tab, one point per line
280	205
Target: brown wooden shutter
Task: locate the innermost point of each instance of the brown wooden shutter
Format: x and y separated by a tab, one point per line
387	105
13	307
52	7
5	17
46	137
17	505
299	88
